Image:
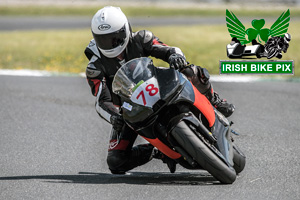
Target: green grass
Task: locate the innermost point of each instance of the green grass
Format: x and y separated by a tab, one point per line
132	11
62	50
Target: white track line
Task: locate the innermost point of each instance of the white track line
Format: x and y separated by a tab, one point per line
24	72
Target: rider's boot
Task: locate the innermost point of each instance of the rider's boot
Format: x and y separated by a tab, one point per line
222	105
170	162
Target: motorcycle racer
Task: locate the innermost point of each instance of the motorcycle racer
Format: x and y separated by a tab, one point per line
275	45
114	44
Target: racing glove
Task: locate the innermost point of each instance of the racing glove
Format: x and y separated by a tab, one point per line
177	61
117	122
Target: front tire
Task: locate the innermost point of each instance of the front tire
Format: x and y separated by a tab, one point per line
239	159
204	156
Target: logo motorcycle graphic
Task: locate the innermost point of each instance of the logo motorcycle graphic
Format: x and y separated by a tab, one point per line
276	38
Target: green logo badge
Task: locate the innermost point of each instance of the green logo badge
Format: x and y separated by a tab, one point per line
264	42
238	30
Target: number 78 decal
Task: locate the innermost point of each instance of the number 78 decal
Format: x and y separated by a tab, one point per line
147	94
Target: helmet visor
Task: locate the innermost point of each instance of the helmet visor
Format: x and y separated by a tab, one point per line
111	40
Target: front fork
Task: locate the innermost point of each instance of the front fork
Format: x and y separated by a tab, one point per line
219	141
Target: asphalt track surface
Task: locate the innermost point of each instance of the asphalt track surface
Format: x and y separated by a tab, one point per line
14	23
53	145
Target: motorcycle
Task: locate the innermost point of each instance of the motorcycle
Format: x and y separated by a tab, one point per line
273	51
163	107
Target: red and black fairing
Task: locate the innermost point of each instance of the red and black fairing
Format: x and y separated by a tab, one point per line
180	100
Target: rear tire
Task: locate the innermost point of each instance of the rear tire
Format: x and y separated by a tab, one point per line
204	156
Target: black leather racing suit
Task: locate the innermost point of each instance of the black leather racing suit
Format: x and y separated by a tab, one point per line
122	156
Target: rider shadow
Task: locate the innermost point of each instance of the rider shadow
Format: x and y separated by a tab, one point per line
136	178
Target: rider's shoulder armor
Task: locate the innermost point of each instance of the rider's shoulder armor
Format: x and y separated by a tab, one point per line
92	53
144	37
91	70
91	50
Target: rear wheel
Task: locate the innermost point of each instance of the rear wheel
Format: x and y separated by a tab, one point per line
204	156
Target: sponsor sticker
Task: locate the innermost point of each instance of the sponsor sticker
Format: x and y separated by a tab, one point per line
127	106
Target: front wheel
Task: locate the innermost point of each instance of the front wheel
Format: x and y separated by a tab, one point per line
204	156
239	159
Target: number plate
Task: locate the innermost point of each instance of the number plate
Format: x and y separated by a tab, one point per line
147	94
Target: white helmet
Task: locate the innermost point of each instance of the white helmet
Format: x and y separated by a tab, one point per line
111	31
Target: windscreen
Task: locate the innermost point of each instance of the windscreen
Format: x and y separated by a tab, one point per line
131	75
